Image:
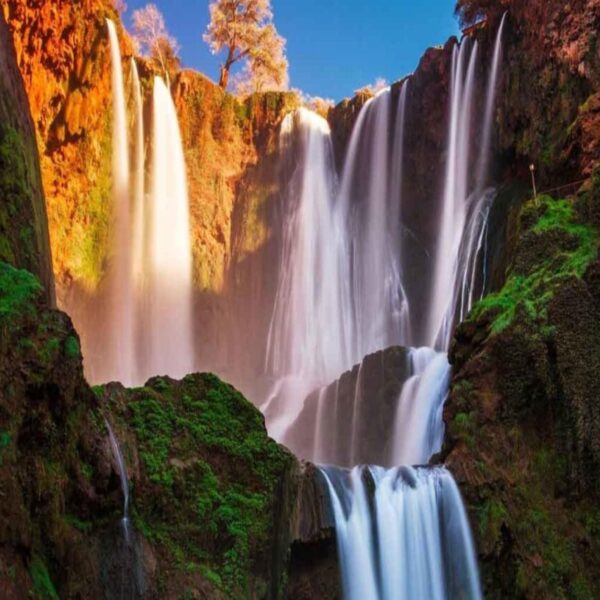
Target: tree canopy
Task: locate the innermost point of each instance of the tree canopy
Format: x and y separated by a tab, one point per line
244	30
150	33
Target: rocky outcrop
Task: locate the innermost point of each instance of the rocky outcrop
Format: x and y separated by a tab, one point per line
213	500
523	416
314	567
23	224
354	413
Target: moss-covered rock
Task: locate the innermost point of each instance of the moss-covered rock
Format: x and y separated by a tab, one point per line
210	494
523	417
24	239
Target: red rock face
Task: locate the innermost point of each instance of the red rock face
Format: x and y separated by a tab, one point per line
62	52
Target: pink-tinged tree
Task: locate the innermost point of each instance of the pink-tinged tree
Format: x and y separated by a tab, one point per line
154	41
244	30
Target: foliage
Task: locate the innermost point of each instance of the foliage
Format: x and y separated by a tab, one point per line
244	29
205	447
17	290
13	188
72	349
566	249
150	33
41	579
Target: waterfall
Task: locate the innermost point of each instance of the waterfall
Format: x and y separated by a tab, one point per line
119	358
403	532
312	285
380	310
169	326
408	538
454	203
484	155
312	295
139	214
116	452
419	426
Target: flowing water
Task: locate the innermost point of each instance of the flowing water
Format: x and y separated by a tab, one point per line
116	452
118	364
148	287
168	265
402	534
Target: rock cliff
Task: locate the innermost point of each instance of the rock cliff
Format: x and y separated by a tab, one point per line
23	224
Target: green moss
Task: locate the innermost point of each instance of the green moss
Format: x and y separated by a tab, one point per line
492	515
77	523
87	470
204	513
41	579
14	188
18	291
532	289
49	350
5	440
72	349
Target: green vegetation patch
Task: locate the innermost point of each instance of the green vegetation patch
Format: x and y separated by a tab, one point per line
554	248
18	291
205	448
42	583
72	349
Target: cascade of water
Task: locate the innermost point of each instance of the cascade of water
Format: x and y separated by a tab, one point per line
379	303
408	539
312	296
484	154
169	267
116	451
419	427
454	203
119	359
311	290
139	217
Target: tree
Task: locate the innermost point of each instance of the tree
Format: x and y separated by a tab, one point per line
151	34
244	30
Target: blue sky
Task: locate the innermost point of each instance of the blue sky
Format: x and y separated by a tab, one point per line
333	46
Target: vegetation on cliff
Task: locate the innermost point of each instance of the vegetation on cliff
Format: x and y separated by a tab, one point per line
209	483
523	418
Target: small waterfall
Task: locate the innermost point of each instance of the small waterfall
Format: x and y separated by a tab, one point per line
119	357
379	302
490	102
116	452
311	290
455	198
168	266
419	426
407	539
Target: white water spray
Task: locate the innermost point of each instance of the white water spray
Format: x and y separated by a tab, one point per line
380	310
119	355
409	539
454	206
169	268
139	213
313	293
